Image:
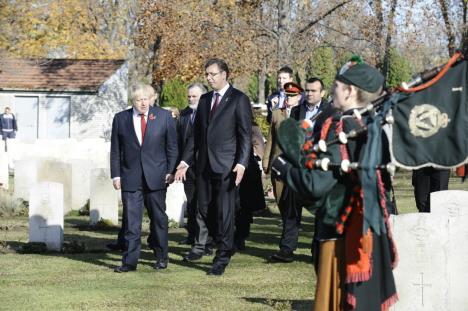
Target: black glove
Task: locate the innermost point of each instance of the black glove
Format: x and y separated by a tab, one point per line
280	167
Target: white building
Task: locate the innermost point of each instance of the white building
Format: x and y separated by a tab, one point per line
63	98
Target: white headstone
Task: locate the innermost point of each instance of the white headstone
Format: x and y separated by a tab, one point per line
454	204
175	202
46	214
4	174
421	276
104	198
80	182
25	177
57	171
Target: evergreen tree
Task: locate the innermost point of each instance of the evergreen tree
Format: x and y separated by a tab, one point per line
174	94
252	88
399	69
322	65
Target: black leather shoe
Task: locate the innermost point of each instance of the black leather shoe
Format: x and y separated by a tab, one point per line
216	270
161	264
282	256
186	241
124	268
116	247
192	257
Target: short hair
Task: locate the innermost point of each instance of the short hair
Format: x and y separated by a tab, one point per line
141	88
365	97
200	86
315	79
221	64
286	69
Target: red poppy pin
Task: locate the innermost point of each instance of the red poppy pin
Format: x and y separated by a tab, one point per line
152	117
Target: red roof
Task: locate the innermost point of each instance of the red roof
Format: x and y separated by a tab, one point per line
72	75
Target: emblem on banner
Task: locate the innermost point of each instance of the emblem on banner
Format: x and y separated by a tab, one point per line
426	120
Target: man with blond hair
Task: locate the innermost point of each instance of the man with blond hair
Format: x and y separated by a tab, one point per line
143	159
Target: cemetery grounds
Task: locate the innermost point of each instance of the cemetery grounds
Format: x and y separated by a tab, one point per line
81	278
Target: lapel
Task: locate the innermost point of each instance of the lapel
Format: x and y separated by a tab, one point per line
151	124
187	122
302	111
222	104
131	127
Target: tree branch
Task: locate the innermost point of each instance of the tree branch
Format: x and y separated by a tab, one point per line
315	21
347	34
271	32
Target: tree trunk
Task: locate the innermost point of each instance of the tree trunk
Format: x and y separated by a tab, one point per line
379	33
388	41
261	83
448	27
283	29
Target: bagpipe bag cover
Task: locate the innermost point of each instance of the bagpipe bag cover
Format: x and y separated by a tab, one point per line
431	126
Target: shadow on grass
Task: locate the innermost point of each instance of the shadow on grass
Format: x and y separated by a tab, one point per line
262	243
298	305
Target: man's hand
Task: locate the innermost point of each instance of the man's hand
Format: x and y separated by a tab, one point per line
116	183
181	172
169	179
274	101
239	170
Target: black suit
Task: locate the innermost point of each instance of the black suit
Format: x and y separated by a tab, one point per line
184	129
291	213
142	171
220	143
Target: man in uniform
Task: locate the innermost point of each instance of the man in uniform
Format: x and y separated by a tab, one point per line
285	198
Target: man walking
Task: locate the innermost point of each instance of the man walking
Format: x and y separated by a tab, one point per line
222	141
184	130
143	158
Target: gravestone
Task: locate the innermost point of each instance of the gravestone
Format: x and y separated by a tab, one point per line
104	198
176	202
80	182
454	205
4	174
56	171
46	214
421	276
25	177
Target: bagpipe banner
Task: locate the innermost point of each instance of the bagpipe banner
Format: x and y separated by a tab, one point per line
431	126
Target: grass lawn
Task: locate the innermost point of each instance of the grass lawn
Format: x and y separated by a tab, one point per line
85	281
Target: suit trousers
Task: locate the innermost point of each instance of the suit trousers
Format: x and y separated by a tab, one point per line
191	194
216	194
133	202
425	181
121	234
291	213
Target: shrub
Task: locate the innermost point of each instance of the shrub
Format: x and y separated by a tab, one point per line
174	94
10	206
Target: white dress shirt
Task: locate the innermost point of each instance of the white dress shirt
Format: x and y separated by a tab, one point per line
312	111
221	94
137	123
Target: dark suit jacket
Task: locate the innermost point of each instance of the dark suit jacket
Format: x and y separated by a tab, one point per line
184	128
153	160
326	110
226	139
